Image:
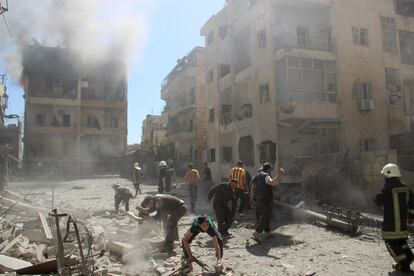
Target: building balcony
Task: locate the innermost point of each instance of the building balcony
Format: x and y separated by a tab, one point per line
294	110
120	131
120	104
45	100
287	40
51	130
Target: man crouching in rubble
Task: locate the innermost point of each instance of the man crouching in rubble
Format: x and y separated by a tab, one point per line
122	195
398	203
202	224
170	210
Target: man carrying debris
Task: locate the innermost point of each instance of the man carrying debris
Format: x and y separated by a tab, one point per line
262	188
398	203
224	205
136	178
238	175
206	225
170	210
122	195
192	179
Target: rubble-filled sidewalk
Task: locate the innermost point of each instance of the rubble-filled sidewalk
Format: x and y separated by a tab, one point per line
295	248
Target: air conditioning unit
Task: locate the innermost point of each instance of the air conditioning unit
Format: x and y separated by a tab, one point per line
366	105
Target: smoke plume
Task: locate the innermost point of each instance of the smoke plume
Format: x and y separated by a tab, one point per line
97	29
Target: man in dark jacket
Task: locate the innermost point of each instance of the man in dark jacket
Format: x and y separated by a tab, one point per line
398	203
224	205
167	208
262	188
122	195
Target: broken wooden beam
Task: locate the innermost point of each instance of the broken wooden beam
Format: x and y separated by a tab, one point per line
10	244
45	225
134	217
335	223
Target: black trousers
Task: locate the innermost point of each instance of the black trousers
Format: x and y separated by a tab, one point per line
240	194
263	216
171	226
164	184
137	188
118	201
400	252
224	217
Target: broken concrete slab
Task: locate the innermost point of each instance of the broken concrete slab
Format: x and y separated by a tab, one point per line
8	264
120	248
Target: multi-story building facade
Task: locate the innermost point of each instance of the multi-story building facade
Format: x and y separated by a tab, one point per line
183	90
75	112
154	133
311	84
3	98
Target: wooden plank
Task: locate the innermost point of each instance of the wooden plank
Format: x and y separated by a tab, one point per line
134	217
45	225
10	245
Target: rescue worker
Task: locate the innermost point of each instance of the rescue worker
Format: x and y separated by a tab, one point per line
168	209
122	195
224	205
202	224
398	203
192	179
136	178
164	181
238	175
262	187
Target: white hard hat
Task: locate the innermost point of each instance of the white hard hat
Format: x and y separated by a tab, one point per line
136	165
116	186
162	164
391	170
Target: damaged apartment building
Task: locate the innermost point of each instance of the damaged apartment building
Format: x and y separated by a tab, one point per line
320	87
154	133
75	112
183	90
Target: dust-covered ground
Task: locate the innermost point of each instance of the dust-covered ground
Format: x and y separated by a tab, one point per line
295	248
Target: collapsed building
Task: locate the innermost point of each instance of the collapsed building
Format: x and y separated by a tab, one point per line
183	90
315	86
75	112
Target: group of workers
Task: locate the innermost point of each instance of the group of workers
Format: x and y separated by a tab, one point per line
240	189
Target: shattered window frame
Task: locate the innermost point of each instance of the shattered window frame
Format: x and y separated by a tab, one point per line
389	34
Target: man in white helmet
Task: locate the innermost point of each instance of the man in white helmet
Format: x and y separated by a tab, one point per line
136	177
398	203
164	181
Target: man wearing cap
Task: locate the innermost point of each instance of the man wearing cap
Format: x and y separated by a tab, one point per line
398	203
122	195
136	177
167	208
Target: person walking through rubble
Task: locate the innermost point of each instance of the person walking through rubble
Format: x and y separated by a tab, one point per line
167	208
208	179
224	205
262	188
122	195
238	175
202	224
136	178
398	203
192	179
164	181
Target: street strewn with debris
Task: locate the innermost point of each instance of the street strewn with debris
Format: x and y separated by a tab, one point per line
121	246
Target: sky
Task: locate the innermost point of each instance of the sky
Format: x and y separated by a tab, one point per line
172	29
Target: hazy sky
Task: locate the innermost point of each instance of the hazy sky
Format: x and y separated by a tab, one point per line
172	30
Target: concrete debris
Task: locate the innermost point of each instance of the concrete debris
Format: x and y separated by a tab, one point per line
9	264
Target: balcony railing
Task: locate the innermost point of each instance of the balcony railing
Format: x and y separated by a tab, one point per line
292	40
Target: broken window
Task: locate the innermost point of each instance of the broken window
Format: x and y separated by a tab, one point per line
368	145
302	36
389	34
404	7
210	38
224	70
242	50
329	140
409	98
222	31
264	93
393	83
360	36
395	142
226	114
227	154
211	115
212	155
66	120
364	94
114	122
267	150
261	38
210	76
407	47
40	120
246	111
246	150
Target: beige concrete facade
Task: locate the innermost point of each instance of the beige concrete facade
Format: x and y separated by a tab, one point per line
75	112
183	90
153	133
311	84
